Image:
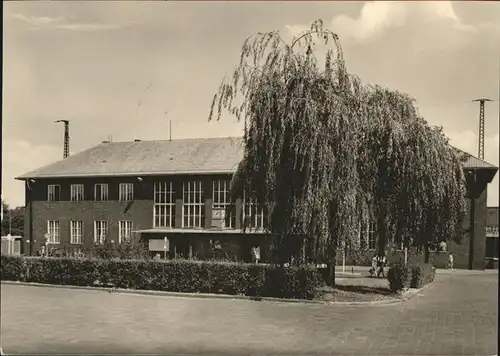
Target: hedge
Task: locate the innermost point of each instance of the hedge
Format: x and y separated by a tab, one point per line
173	275
415	276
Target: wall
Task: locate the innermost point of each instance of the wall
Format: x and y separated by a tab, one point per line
140	211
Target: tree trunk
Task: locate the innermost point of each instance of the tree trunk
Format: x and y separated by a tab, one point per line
426	252
382	236
330	266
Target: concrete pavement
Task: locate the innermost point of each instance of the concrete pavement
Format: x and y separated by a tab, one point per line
456	315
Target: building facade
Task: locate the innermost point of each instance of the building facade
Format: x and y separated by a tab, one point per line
177	190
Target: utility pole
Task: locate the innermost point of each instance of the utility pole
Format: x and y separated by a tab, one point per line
66	137
481	126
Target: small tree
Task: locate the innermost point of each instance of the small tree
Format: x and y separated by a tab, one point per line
322	151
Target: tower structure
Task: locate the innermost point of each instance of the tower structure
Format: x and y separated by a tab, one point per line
481	126
66	137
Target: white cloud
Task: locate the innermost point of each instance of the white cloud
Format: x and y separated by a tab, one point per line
64	23
19	157
378	16
36	20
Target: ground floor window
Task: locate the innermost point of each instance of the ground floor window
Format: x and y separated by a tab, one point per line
54	232
100	231
125	230
76	232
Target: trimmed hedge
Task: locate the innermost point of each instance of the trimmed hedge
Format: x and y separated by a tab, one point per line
415	276
398	277
421	275
173	275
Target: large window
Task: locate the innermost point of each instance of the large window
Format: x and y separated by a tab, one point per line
54	192
164	205
54	232
194	208
126	192
125	230
254	216
76	232
100	231
368	235
76	192
222	205
100	192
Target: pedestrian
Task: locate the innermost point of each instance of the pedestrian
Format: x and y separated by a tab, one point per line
380	266
450	261
374	266
255	254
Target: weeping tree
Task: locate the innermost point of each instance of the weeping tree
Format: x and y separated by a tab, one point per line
322	151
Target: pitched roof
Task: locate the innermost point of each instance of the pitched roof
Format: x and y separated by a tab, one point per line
180	156
188	156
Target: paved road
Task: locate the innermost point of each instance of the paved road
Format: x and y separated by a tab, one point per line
456	315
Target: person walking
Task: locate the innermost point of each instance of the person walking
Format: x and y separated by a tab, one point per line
450	261
380	266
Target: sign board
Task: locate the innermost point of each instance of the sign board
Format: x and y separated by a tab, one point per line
159	245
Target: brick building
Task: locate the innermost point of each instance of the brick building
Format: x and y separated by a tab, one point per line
176	189
492	236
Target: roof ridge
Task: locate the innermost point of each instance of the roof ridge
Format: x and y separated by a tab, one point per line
175	139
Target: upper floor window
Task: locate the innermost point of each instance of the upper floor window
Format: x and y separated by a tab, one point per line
223	209
125	231
193	209
164	204
100	192
254	216
76	232
76	192
126	192
54	192
100	231
54	232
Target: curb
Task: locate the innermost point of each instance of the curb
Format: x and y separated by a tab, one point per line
164	293
212	296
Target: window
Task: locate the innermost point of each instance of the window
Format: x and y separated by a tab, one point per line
222	202
254	216
100	231
126	191
164	205
54	192
368	235
194	208
76	192
54	232
100	192
125	230
76	232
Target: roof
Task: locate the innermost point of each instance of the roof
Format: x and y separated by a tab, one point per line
181	156
474	162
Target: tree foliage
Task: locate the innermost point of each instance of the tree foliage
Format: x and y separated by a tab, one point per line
323	151
13	220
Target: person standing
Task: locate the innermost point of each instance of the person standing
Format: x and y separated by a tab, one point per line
450	261
255	254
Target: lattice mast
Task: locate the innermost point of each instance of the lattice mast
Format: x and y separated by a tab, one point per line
481	126
66	137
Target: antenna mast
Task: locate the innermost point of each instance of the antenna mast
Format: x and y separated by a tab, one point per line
66	137
481	126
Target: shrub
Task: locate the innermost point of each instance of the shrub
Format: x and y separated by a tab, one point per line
174	275
421	275
398	277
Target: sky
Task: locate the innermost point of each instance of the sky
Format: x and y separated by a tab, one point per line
125	69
